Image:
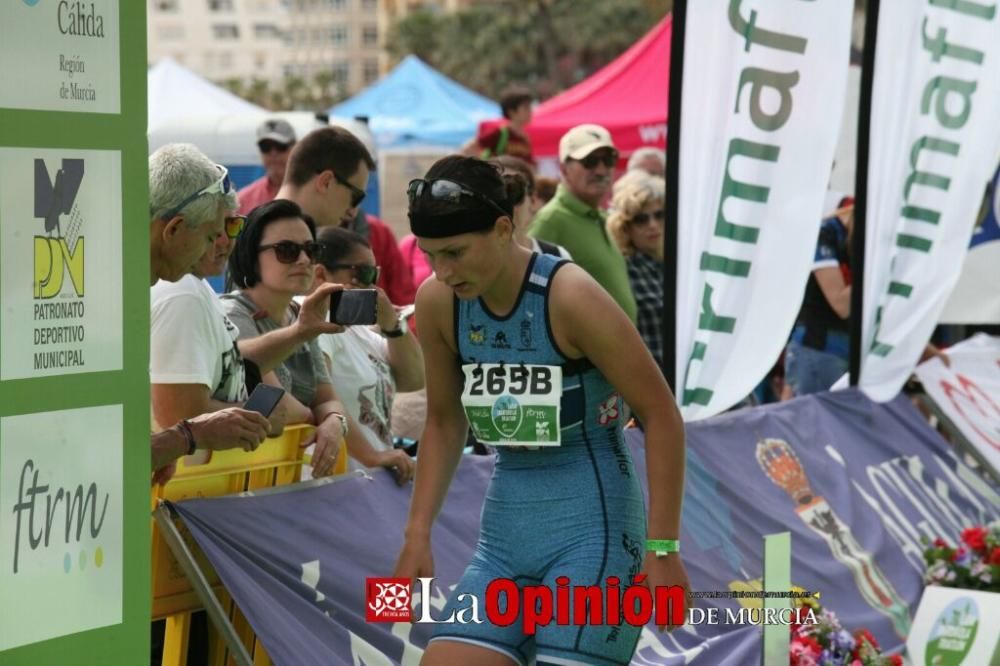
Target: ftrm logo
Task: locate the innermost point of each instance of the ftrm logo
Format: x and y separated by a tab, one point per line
61	249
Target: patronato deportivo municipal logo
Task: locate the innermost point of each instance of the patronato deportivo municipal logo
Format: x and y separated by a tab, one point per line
60	251
388	600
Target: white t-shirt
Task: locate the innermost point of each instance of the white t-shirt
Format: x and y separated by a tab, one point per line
362	379
192	341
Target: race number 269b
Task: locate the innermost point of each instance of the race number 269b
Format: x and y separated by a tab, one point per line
515	379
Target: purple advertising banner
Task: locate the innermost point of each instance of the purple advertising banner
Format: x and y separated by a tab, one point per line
858	484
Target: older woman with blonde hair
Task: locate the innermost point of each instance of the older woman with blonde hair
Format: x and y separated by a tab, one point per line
636	225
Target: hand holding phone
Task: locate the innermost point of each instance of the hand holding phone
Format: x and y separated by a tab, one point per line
264	399
352	307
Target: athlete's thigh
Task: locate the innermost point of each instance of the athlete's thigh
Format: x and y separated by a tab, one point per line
448	652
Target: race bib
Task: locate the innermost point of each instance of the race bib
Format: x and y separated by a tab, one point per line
513	405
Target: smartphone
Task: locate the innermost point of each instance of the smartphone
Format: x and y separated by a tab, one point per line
354	307
264	399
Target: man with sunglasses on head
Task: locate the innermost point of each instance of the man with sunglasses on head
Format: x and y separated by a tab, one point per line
573	218
275	138
190	199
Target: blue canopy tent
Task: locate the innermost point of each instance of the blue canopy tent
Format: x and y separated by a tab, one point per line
415	104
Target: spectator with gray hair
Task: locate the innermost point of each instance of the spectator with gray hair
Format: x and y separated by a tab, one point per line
636	225
651	160
190	197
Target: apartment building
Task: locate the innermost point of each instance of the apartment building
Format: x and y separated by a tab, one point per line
220	39
269	39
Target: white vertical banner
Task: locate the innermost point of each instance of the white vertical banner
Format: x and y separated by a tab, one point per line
763	94
935	141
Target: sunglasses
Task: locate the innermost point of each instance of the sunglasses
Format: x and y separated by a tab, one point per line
365	274
273	147
445	191
357	194
608	159
287	252
234	225
221	186
642	219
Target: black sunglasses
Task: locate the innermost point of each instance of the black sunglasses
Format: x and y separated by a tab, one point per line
446	191
608	159
357	194
267	146
287	252
641	219
365	274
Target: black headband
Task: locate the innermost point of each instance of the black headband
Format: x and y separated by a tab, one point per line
452	224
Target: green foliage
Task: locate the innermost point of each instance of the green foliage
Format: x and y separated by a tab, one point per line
547	45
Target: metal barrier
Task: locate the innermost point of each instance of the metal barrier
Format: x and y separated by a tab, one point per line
278	461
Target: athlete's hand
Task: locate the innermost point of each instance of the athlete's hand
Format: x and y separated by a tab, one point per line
666	571
415	559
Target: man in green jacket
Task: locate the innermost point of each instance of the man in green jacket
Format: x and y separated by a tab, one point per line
572	219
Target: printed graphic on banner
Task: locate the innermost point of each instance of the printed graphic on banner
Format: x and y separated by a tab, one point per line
933	147
513	404
60	56
62	262
968	392
60	523
761	112
388	600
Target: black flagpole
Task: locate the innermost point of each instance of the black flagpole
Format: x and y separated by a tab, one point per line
670	249
857	259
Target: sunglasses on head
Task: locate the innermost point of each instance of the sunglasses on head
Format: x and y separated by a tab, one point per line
221	186
365	274
357	194
446	191
268	146
234	225
608	159
287	252
641	219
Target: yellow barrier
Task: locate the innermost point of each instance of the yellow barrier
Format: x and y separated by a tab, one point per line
278	461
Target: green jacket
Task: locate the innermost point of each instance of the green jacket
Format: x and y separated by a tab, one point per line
568	221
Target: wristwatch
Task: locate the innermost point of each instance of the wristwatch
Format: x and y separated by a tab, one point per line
402	328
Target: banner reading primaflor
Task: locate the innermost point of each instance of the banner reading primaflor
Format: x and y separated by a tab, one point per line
934	145
762	99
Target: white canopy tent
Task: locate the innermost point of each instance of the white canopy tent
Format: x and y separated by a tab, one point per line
178	93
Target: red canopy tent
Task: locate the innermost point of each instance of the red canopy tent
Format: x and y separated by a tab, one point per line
628	97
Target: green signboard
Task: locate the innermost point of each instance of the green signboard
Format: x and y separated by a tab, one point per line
74	333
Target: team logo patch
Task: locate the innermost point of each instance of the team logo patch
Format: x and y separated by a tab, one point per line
477	335
608	410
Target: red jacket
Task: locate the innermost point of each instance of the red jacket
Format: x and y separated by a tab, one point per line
394	274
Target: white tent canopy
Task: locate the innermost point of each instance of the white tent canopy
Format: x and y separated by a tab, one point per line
175	92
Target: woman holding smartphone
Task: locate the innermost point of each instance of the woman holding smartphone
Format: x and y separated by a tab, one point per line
532	353
272	263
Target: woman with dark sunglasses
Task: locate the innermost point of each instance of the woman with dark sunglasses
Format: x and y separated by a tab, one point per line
636	225
368	365
536	356
272	263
